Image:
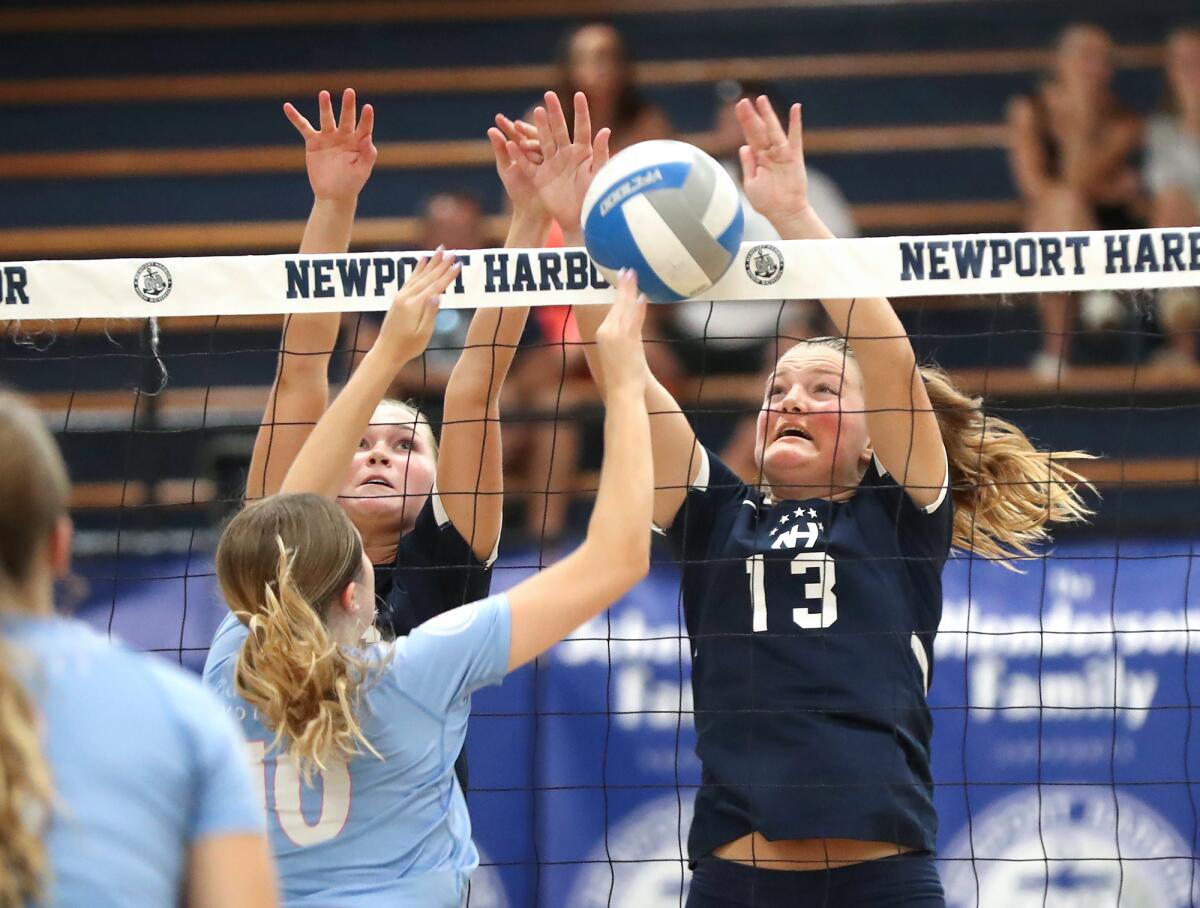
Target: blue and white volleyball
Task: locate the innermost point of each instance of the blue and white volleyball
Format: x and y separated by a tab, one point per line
668	211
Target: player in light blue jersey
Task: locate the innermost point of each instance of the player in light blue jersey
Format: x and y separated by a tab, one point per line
122	781
382	820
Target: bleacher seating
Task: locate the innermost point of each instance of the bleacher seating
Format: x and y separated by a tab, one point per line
151	129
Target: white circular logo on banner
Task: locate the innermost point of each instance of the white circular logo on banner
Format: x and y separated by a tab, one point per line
1059	847
152	282
645	863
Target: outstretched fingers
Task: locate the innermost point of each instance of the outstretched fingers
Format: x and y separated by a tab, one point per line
753	127
557	121
600	149
775	134
349	111
325	106
366	123
583	121
795	129
298	120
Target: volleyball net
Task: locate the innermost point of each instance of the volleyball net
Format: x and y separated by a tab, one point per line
1066	746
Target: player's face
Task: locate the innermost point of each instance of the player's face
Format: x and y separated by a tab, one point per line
595	61
391	474
1085	58
812	430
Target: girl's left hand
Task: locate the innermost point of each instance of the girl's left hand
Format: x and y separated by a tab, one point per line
409	323
773	173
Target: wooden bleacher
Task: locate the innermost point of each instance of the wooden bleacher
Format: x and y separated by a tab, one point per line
166	139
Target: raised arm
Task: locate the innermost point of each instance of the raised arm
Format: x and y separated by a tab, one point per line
563	177
615	555
900	419
470	475
320	466
339	158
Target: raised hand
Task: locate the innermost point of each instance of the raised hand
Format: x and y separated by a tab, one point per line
619	338
568	164
409	323
517	155
340	155
773	173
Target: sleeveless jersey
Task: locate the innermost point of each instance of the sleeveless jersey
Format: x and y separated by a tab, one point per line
812	626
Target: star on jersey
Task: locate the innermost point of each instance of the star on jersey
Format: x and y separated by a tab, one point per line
812	513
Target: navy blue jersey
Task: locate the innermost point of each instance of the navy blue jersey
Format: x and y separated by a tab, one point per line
812	626
435	570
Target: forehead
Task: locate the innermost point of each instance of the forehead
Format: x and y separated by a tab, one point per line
1087	39
814	359
391	416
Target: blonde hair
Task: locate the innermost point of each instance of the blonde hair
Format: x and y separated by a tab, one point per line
1006	490
34	490
281	563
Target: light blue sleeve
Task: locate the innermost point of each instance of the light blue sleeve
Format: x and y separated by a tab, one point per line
451	656
224	800
226	643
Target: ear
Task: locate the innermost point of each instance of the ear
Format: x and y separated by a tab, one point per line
346	599
60	547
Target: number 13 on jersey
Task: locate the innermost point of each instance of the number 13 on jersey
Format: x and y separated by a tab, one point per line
820	577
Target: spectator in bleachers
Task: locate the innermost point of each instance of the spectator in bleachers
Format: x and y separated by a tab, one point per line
1071	142
733	337
593	59
1173	177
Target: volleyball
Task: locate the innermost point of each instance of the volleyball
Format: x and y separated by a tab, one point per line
668	211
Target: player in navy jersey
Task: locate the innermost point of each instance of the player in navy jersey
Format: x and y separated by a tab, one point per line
813	595
386	823
122	781
430	517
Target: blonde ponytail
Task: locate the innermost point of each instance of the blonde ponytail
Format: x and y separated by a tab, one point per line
25	794
280	564
1006	491
33	499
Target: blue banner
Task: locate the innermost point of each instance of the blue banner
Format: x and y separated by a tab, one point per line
1066	732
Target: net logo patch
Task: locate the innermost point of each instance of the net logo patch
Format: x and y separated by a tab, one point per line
152	282
764	264
1057	845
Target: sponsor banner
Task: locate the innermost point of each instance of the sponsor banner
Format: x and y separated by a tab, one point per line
792	269
1065	703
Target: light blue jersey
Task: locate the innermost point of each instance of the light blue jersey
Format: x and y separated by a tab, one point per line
377	832
144	761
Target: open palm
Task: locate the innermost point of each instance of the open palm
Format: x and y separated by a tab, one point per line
569	165
773	173
340	155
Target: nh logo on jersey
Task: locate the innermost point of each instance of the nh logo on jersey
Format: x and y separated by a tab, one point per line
789	539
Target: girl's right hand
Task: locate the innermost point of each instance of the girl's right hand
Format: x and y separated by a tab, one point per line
409	323
340	155
619	338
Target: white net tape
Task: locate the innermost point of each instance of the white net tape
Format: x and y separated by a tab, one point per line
783	269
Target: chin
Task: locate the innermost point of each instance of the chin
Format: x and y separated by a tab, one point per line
381	511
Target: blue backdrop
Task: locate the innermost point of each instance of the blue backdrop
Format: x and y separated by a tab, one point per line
1064	702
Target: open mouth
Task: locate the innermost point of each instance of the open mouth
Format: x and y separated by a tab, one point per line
793	432
378	481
